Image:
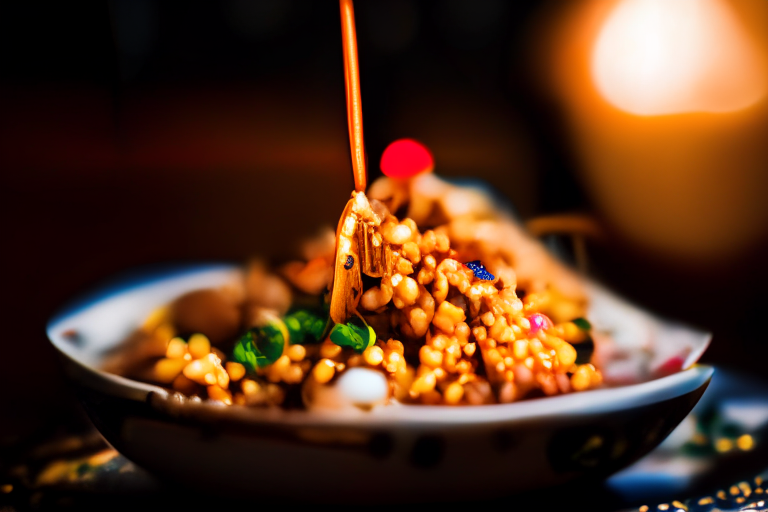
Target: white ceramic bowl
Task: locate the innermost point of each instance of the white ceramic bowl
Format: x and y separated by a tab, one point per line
415	452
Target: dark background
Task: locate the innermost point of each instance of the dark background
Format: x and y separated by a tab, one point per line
135	133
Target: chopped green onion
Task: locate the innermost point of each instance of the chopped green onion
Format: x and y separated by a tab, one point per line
260	346
582	323
305	327
353	336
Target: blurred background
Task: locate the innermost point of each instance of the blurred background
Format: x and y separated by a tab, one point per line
136	132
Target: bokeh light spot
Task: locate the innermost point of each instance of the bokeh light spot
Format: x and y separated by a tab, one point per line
657	57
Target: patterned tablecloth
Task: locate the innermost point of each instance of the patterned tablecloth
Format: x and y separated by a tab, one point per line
715	460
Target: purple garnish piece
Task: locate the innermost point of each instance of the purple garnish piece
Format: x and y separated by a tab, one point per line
479	270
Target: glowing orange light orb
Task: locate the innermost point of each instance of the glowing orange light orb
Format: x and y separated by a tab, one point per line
405	158
660	57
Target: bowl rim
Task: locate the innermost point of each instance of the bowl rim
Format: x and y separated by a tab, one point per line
596	401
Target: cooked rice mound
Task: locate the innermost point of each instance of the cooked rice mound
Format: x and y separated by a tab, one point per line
443	334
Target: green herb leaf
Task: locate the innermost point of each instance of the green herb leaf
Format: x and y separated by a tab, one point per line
582	323
260	346
353	336
305	326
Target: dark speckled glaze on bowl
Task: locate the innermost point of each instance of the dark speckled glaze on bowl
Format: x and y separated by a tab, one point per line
419	453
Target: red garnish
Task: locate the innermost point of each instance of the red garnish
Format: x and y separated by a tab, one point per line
670	366
406	158
539	322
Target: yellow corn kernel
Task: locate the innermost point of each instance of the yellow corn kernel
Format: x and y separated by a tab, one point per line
494	357
520	349
176	349
282	363
404	267
431	397
463	366
166	370
453	348
296	353
496	331
430	357
507	392
396	365
355	360
222	377
439	341
329	349
424	384
596	378
412	252
373	355
547	383
198	346
406	290
582	378
427	242
453	393
250	387
447	316
469	349
572	333
220	394
442	242
396	346
324	371
199	369
235	370
449	362
565	352
462	332
424	277
293	374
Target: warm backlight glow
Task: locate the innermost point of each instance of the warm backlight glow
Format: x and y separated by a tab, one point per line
656	57
405	158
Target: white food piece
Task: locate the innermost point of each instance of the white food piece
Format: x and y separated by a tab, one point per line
362	386
356	387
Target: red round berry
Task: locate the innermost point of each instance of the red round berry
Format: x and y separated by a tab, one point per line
405	158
